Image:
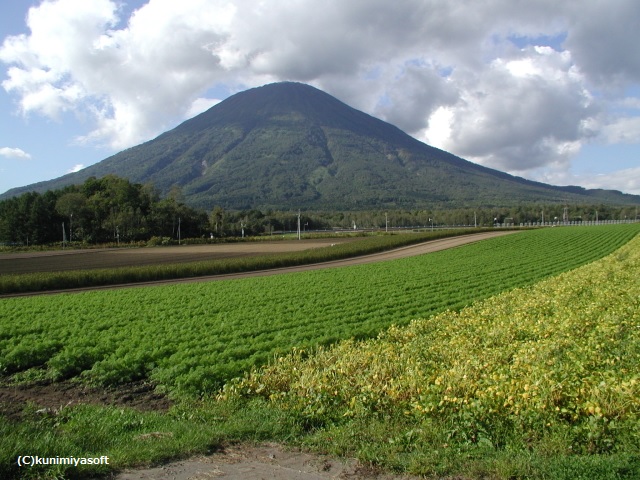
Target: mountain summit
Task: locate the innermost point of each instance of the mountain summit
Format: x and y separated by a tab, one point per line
289	145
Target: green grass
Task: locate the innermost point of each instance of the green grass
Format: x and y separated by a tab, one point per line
129	437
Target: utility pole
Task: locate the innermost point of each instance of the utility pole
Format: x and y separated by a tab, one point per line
299	237
475	219
386	222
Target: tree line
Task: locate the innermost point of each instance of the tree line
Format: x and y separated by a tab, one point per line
105	210
112	210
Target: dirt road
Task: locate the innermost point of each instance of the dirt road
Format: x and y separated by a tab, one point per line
403	252
266	461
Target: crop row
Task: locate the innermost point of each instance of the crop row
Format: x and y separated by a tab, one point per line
191	338
68	279
561	356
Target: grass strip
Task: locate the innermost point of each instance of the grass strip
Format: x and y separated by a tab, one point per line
35	282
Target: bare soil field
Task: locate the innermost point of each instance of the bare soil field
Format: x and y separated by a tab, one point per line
50	397
62	260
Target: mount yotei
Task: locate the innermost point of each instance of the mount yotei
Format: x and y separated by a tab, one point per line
289	146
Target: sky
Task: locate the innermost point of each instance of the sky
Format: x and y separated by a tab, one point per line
544	89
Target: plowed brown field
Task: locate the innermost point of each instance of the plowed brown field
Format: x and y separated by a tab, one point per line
60	260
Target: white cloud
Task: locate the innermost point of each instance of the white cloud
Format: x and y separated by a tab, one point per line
632	103
430	89
519	113
622	130
14	153
445	72
627	180
200	105
51	61
602	37
438	131
76	168
133	80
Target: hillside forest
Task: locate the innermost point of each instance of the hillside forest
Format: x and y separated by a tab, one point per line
113	210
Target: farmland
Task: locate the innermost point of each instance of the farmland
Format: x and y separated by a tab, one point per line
546	369
55	270
59	260
189	340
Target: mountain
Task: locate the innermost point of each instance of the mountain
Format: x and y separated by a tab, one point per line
289	146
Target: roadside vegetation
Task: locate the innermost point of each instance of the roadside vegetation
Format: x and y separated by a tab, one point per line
537	382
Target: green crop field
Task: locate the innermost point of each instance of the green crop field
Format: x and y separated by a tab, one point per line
190	339
527	384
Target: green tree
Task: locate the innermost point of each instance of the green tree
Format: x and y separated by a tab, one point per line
72	207
216	220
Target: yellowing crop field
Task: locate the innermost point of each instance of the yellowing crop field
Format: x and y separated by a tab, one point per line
561	357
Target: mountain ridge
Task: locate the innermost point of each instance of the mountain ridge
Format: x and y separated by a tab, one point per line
289	145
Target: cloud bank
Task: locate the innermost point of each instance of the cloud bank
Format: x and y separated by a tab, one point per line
14	153
514	85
